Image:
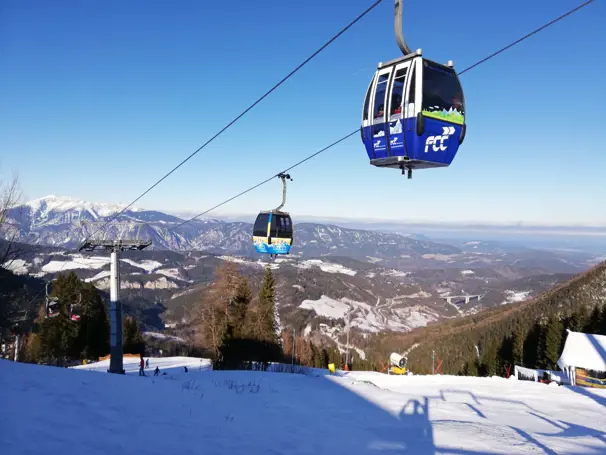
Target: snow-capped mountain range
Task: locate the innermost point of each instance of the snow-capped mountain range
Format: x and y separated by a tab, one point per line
65	222
381	281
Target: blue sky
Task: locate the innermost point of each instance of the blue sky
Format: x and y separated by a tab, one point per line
100	99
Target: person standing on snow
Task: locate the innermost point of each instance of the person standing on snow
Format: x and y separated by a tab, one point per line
141	366
146	363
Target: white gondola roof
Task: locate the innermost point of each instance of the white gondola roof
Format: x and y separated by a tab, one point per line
584	350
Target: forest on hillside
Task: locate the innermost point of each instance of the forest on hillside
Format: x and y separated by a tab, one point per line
529	333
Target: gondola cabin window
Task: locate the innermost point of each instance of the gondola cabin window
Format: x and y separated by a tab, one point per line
260	228
442	94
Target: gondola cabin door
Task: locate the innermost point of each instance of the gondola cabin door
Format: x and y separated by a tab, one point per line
401	108
377	114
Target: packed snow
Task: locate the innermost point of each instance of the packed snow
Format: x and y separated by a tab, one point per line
515	296
172	273
584	350
368	318
327	267
78	262
467	272
146	264
257	263
98	276
327	307
17	266
63	411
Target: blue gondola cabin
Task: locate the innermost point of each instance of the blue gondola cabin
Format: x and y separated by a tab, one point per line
414	114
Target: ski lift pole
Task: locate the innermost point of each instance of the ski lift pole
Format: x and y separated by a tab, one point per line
397	26
283	176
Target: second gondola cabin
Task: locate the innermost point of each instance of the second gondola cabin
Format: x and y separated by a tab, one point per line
273	232
413	115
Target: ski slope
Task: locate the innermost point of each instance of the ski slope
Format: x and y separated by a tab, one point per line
59	411
171	365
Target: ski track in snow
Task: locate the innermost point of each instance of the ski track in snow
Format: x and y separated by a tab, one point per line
254	413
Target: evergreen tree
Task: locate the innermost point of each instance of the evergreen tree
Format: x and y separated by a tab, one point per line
578	319
94	324
518	347
531	348
602	324
505	353
553	343
266	310
593	322
317	354
324	356
133	340
238	309
59	336
540	347
490	361
471	368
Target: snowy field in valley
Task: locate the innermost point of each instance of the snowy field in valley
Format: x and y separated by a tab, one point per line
59	411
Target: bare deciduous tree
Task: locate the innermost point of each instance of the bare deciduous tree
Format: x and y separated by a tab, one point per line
10	197
211	314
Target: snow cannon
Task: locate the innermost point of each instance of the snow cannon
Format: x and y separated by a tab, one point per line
397	363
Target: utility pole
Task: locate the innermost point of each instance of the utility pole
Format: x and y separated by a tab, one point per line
116	364
433	357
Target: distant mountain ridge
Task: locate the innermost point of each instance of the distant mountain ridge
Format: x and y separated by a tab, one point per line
65	222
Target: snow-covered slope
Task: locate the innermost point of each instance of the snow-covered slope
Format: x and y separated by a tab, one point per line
66	411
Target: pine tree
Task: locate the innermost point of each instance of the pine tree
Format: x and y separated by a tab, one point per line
317	356
532	346
592	324
238	309
266	310
133	340
518	347
59	336
540	347
553	342
578	319
324	357
93	324
490	361
602	324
